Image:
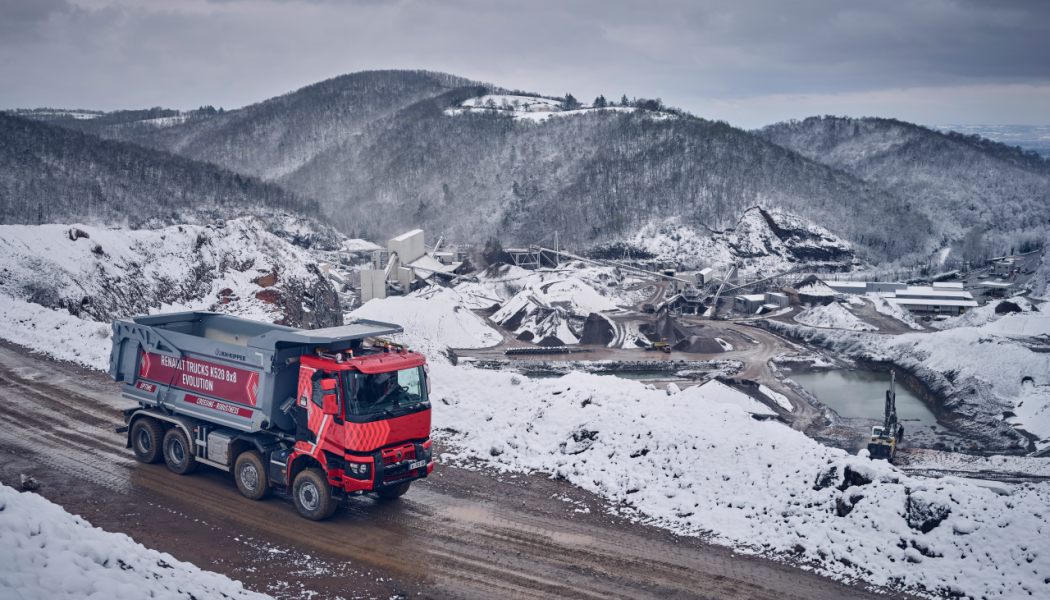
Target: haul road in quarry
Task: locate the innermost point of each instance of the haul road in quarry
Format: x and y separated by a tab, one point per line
313	412
460	533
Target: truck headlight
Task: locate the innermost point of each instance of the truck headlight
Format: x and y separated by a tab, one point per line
358	470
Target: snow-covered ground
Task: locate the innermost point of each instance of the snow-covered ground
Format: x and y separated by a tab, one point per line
55	333
48	554
431	326
835	316
696	462
99	273
894	311
698	466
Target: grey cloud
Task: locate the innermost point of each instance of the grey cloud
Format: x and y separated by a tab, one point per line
20	19
234	52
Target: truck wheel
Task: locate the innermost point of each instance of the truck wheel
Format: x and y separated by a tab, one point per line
147	439
250	475
177	452
393	492
313	495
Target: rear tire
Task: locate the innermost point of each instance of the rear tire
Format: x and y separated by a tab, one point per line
147	440
393	492
250	475
313	495
178	453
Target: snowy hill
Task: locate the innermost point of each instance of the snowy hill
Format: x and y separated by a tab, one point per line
52	175
961	182
98	274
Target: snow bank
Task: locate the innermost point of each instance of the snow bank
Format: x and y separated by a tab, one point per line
894	311
720	393
777	397
701	467
833	316
431	326
49	554
55	333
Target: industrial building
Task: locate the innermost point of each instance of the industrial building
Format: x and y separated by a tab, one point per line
403	264
756	303
940	298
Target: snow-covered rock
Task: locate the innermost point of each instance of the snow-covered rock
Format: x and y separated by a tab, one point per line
236	267
49	554
762	241
552	312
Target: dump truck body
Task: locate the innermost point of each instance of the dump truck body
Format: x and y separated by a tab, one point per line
294	401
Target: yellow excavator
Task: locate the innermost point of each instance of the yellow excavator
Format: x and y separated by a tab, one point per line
885	438
661	346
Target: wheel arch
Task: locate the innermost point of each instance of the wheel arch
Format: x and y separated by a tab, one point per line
166	421
301	463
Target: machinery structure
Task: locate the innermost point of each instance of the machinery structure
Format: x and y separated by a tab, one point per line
885	438
661	346
323	414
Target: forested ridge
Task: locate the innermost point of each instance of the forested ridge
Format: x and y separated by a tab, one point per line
968	183
380	152
49	174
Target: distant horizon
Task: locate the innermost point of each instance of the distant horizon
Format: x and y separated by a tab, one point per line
750	63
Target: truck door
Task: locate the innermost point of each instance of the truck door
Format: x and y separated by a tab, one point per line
316	427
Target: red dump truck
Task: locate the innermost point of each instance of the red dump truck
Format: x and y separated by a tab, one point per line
322	414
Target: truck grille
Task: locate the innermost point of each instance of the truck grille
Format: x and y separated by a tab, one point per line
390	456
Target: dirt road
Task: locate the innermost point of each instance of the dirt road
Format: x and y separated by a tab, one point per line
461	534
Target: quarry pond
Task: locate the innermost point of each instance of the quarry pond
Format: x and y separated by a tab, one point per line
862	395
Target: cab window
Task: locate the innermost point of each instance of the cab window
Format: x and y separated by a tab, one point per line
394	391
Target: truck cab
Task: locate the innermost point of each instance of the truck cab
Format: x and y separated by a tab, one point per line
323	414
363	419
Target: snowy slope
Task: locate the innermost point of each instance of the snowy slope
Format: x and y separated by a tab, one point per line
700	467
834	316
894	311
765	242
236	266
431	325
49	554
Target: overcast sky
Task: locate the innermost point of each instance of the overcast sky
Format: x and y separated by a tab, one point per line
749	62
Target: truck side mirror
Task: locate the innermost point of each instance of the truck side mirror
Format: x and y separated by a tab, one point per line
331	404
329	400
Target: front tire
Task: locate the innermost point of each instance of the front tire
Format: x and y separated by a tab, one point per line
147	440
178	452
250	475
313	495
393	492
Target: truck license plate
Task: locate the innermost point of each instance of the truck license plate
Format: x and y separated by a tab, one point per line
419	464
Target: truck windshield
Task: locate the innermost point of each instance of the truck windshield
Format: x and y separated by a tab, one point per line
380	392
